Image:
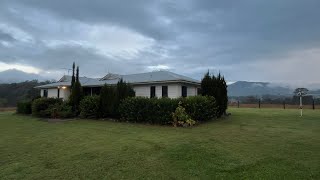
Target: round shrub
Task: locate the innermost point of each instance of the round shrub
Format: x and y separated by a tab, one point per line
24	107
200	108
42	107
63	110
89	107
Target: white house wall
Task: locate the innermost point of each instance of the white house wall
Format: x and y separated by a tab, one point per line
52	93
64	94
174	90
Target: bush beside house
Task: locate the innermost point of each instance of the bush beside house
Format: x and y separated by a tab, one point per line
160	111
89	107
43	107
24	107
179	112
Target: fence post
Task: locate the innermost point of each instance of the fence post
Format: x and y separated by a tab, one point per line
313	106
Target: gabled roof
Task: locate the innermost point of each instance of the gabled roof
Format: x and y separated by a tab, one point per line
140	78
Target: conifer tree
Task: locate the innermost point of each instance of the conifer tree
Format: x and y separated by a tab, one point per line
216	86
76	93
206	86
73	79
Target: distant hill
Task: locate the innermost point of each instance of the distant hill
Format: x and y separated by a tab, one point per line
12	93
15	76
244	88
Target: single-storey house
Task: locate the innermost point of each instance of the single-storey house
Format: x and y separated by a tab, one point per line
150	84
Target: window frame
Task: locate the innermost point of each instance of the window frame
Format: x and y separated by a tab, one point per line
184	91
45	93
152	91
165	91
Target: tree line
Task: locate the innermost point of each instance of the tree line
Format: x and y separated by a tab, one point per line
216	86
12	93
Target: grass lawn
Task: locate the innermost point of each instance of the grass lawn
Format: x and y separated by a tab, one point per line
251	144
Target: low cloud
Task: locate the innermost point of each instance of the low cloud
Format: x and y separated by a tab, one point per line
259	41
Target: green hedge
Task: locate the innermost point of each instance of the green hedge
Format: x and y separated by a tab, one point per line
43	107
160	111
89	107
200	108
24	107
62	110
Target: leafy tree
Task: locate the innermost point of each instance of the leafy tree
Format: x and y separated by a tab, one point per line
23	91
216	86
76	93
3	102
124	90
108	101
111	97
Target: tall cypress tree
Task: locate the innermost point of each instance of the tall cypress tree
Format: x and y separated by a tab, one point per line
73	79
77	75
76	93
224	90
206	88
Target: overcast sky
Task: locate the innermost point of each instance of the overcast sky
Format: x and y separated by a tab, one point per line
255	40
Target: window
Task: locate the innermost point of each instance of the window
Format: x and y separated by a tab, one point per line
184	91
45	93
152	91
164	91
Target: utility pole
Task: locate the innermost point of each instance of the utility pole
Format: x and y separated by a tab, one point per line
301	92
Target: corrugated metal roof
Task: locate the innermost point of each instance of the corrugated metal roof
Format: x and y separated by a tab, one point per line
141	78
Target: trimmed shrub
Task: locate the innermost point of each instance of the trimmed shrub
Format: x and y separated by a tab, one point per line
42	107
200	108
165	107
159	111
89	107
181	118
63	110
24	107
142	109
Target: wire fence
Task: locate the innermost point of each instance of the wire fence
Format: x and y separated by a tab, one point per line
277	106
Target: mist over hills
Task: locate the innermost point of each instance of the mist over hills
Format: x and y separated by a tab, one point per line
16	76
245	88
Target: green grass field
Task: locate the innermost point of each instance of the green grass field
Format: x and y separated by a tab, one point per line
251	144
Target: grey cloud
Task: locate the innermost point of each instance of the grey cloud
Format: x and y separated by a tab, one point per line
230	36
6	36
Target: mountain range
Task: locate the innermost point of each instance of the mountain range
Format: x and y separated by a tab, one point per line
239	88
245	88
15	76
